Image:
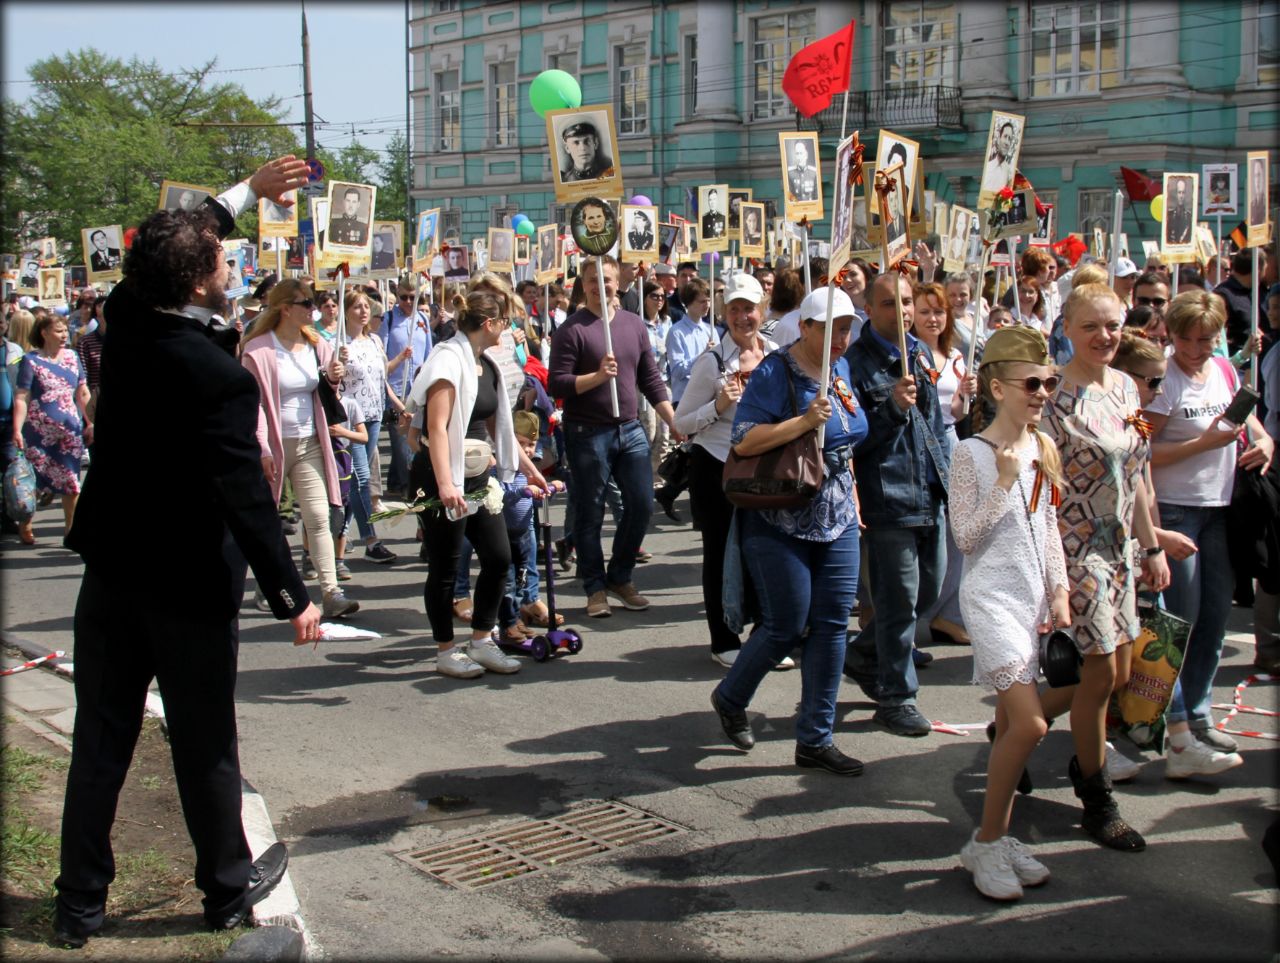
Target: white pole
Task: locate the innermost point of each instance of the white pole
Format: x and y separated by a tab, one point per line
408	362
1177	269
1013	269
825	381
1117	213
978	323
1253	316
608	336
1217	249
341	333
808	284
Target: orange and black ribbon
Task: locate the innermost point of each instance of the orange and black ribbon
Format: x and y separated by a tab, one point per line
1055	496
845	394
1140	424
343	269
855	167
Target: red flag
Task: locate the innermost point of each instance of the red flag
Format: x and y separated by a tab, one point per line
1139	186
819	72
1070	247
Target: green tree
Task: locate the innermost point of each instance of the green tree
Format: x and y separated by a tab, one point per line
393	172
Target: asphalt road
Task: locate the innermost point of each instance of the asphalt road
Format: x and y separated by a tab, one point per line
364	753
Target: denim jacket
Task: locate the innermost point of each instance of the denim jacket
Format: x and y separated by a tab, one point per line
894	462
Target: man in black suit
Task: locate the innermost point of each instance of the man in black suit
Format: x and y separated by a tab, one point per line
161	343
1179	218
102	257
713	221
640	237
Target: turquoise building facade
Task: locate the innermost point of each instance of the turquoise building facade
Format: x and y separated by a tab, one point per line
696	90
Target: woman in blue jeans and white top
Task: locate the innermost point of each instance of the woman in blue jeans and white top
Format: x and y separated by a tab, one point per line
803	562
1194	458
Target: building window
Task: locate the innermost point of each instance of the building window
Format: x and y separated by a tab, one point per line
775	39
690	74
1093	209
1075	48
502	85
448	111
560	213
451	223
568	62
446	6
501	216
919	44
1268	45
631	63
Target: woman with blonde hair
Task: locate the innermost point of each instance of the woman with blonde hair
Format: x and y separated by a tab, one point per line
1194	461
1092	416
288	358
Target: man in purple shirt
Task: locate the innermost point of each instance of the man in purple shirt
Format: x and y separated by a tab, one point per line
597	444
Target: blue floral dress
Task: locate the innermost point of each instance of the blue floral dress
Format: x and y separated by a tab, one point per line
53	429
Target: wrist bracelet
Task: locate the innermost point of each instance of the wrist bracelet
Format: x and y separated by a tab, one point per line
1152	552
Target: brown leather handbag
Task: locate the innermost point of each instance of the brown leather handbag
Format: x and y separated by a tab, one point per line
784	477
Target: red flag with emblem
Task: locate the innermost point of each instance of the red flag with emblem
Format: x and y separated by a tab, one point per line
1139	186
820	71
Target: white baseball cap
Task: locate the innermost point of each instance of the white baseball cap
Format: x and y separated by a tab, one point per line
814	307
1125	267
663	268
742	286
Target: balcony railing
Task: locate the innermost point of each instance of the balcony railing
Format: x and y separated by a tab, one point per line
895	108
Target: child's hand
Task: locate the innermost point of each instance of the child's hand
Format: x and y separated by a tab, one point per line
1008	466
1059	611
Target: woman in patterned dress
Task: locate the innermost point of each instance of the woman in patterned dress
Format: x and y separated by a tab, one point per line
48	415
1093	418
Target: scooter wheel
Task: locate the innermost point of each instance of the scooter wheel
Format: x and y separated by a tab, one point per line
575	643
539	649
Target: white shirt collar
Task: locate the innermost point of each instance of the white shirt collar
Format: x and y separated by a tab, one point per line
193	311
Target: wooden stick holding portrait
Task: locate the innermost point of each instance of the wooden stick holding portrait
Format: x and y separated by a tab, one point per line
893	245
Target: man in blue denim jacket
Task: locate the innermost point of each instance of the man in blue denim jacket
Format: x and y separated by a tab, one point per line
901	473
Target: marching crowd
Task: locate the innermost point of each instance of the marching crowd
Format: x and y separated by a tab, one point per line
1083	460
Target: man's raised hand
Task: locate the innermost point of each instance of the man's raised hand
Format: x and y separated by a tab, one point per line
275	177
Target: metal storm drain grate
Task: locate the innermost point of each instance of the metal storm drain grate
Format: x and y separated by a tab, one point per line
531	847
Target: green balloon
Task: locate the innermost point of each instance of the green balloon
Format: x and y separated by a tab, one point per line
526	228
554	90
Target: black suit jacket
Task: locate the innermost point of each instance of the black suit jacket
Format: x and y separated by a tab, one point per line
177	409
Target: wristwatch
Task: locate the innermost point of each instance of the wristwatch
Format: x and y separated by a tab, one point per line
1151	552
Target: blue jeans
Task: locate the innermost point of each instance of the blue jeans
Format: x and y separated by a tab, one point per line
799	584
462	583
597	452
905	572
1200	591
360	505
524	554
398	470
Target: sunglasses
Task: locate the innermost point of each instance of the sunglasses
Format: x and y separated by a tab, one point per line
405	297
658	297
305	302
1033	384
1154	383
1153	302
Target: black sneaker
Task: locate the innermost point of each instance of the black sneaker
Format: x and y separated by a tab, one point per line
564	555
904	720
829	758
377	552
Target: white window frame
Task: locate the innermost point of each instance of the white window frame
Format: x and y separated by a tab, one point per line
1071	84
1251	65
501	216
1101	198
504	105
775	105
631	80
451	223
448	102
945	50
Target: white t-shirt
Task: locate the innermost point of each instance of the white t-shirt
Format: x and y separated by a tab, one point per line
949	383
1205	480
298	376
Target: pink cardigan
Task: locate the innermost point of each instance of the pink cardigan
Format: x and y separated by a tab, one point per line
259	356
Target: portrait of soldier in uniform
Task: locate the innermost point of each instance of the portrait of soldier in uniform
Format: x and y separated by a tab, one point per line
349	215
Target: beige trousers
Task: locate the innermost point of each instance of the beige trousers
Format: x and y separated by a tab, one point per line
305	469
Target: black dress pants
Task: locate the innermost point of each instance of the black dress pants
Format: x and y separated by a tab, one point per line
712	515
192	654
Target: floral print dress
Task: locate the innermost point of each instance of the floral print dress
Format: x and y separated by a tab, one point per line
52	431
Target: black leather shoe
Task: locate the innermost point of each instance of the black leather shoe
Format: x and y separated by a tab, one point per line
69	937
920	657
668	504
829	758
265	873
866	679
734	724
904	720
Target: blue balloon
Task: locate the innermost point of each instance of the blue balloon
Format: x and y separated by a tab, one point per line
519	219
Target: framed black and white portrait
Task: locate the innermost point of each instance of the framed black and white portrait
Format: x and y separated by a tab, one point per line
713	217
1177	234
801	175
583	141
103	252
753	230
1000	161
548	264
639	234
350	218
176	196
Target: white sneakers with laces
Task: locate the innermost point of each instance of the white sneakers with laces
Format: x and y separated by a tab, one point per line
456	664
1119	767
1001	868
487	654
1029	870
1198	759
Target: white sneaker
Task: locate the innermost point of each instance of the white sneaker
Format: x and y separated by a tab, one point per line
991	867
725	659
1198	759
1029	870
786	663
492	658
1120	768
260	601
457	664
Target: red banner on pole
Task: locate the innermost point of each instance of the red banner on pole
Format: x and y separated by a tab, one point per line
820	71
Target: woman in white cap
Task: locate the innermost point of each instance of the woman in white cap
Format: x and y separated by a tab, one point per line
803	562
706	413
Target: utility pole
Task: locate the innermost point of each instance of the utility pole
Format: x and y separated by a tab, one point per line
306	86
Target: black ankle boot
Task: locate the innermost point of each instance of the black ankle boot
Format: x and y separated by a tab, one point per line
1101	818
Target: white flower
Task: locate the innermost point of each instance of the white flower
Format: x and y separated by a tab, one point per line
493	497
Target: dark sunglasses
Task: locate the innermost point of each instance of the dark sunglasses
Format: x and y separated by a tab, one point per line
1154	383
660	297
1153	302
1033	384
405	297
305	302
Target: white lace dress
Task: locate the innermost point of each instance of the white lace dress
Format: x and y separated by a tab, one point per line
1002	594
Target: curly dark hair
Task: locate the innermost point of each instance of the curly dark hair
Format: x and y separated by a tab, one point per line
172	252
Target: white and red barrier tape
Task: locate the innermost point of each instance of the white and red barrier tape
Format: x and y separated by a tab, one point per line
1237	706
33	663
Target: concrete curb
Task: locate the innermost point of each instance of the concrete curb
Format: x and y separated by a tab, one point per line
281	908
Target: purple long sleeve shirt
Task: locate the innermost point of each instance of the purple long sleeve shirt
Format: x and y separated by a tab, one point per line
577	348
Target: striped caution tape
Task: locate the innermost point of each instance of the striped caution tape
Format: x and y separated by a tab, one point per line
33	663
1238	707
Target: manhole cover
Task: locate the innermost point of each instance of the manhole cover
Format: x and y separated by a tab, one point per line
475	862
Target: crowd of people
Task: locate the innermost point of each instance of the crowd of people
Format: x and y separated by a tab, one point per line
1083	459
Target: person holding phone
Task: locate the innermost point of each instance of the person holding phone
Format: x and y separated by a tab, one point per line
1194	459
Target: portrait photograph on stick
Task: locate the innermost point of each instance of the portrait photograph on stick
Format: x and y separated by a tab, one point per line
388	246
103	252
1016	219
894	223
548	254
48	251
350	216
594	226
1043	235
53	287
502	249
177	196
893	148
29	274
713	221
801	175
1177	235
957	239
1004	144
522	249
1259	204
277	220
426	237
737	197
842	207
753	221
1218	182
582	142
668	239
457	262
639	239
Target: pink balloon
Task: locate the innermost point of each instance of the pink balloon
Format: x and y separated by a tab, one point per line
641	200
711	256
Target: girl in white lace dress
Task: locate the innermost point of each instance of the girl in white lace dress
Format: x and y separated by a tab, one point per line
1002	500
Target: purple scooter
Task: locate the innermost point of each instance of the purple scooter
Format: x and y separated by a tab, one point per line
550	643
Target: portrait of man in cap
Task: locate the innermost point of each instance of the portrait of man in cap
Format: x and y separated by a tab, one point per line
585	158
583	145
640	237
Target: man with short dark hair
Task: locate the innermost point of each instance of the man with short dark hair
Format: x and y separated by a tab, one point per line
587	161
347	227
186	635
1237	291
713	220
406	338
1151	291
